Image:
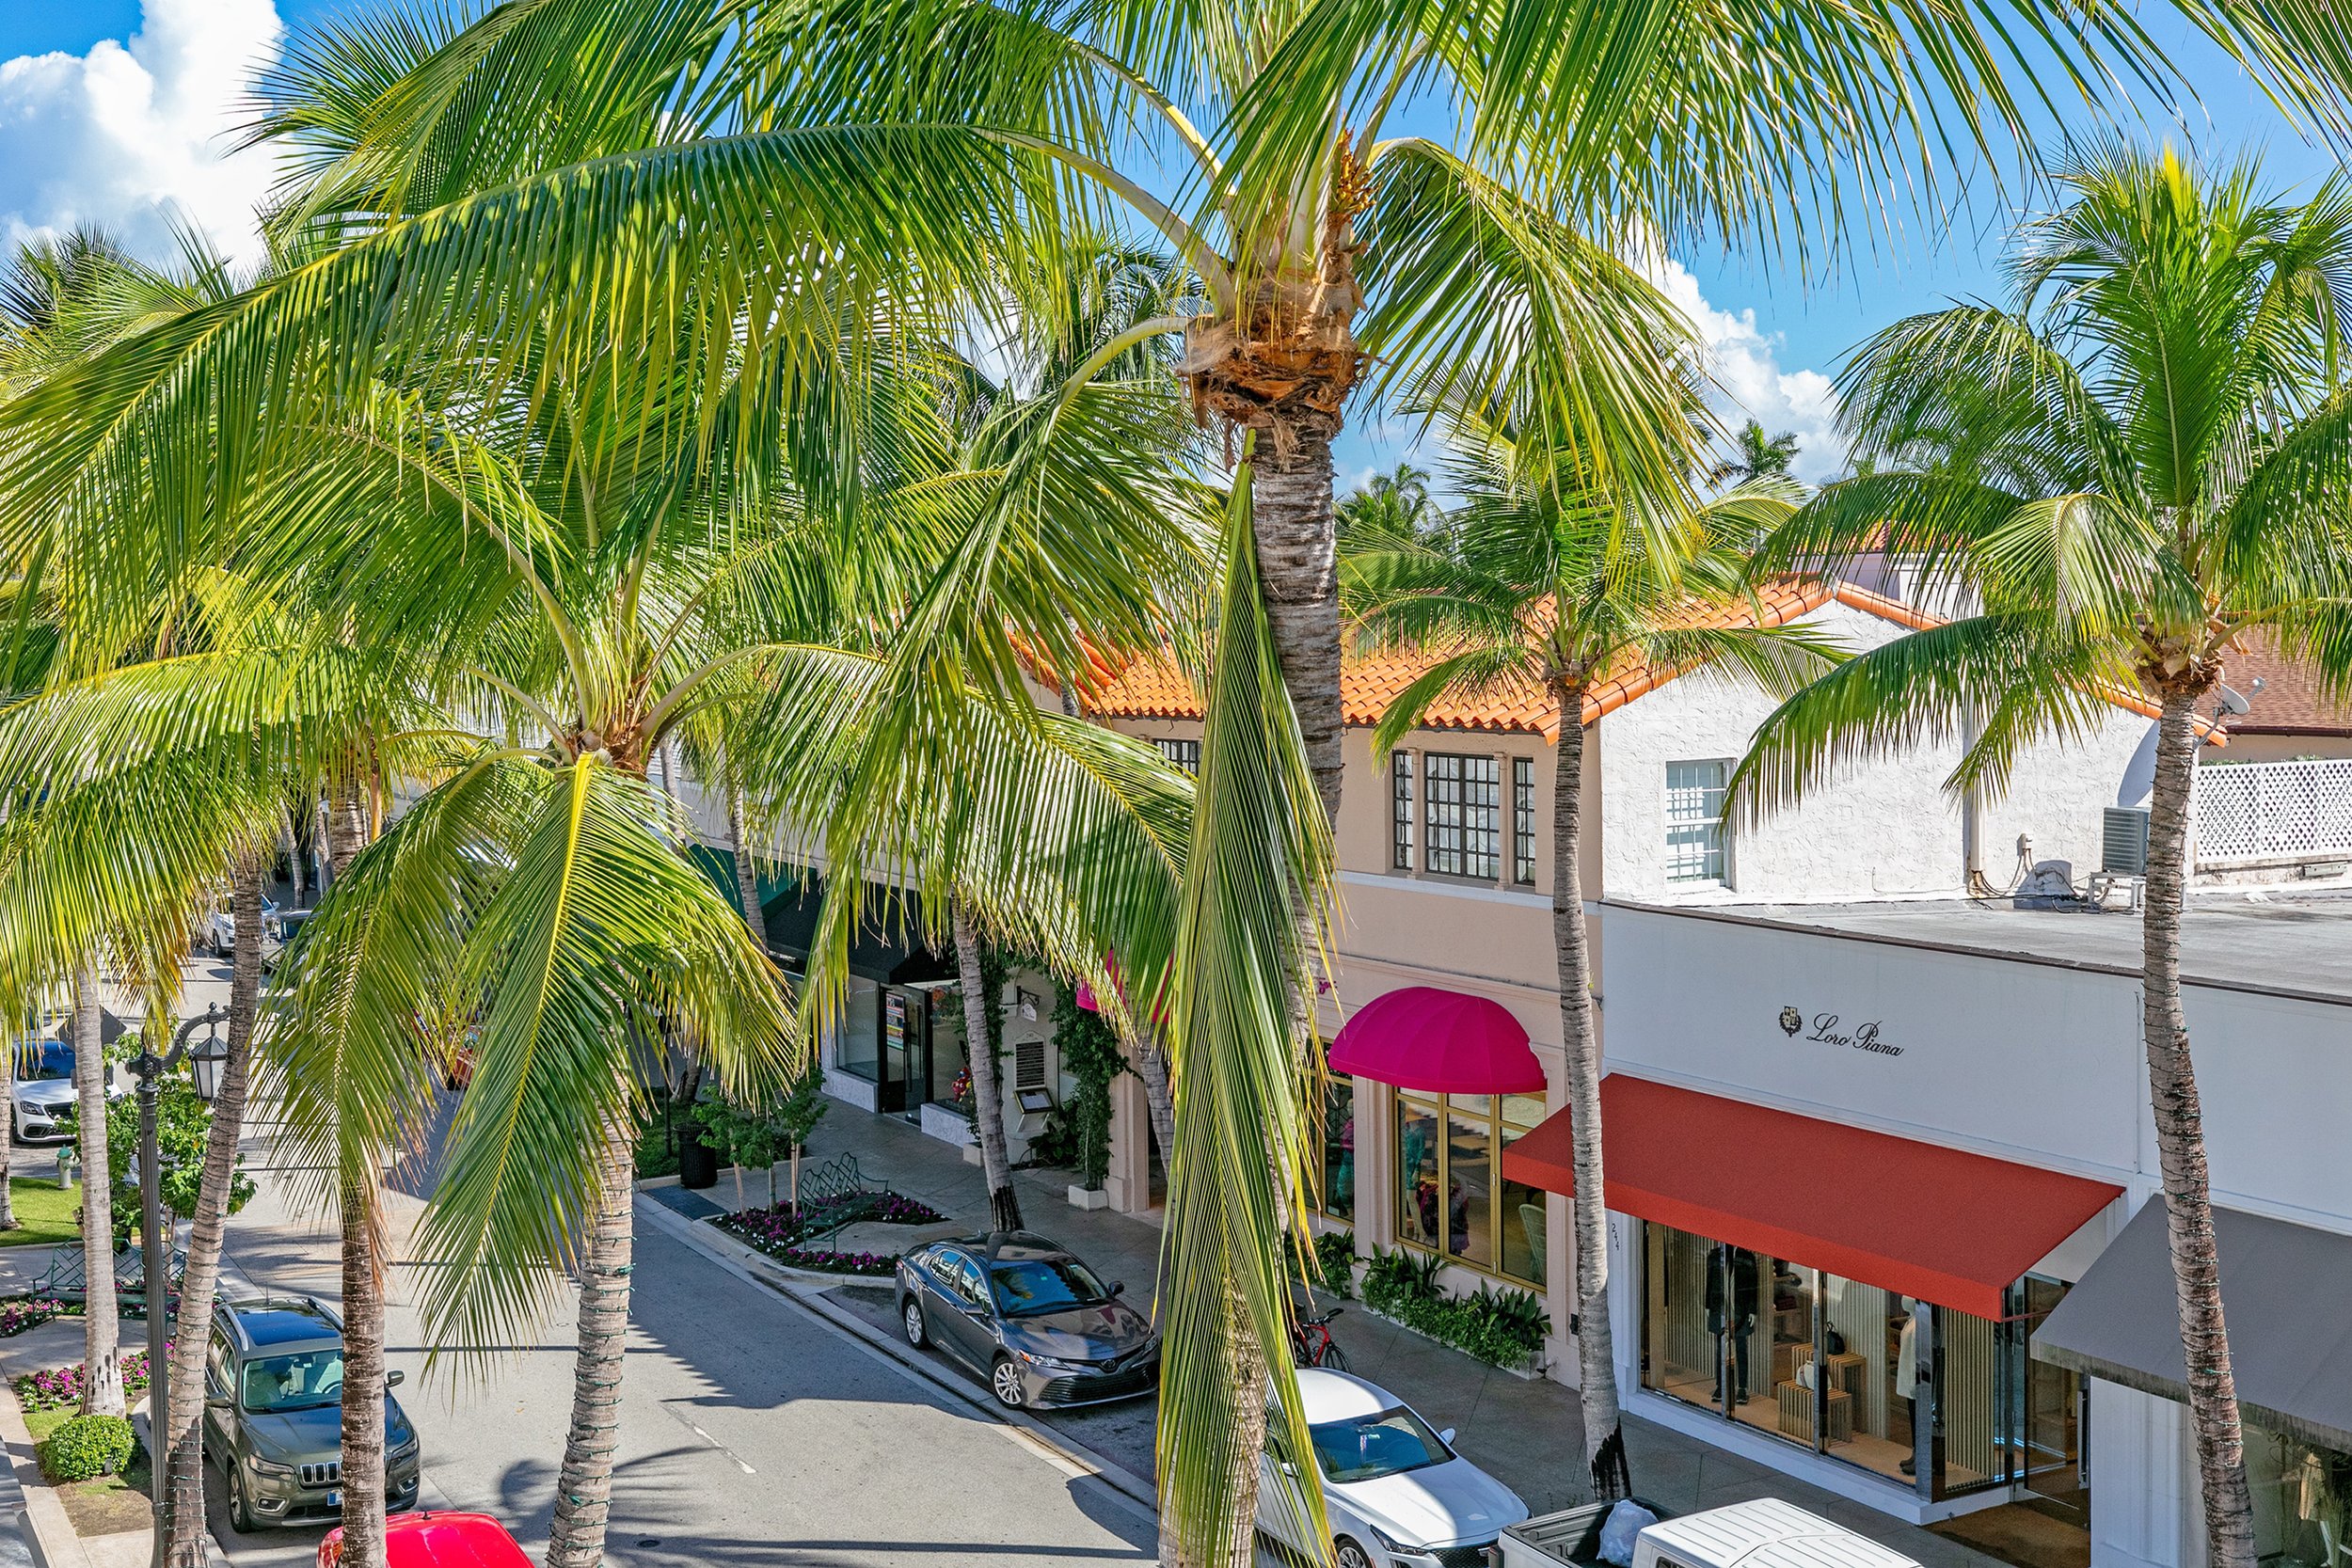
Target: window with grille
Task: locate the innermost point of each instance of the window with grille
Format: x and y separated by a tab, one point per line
1464	795
1695	820
1184	753
1523	821
1400	812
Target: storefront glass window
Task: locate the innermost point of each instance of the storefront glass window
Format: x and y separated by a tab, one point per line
1337	1195
1420	1196
2302	1500
1449	1196
858	1048
1830	1363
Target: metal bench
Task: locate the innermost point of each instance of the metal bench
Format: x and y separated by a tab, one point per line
66	1279
834	1189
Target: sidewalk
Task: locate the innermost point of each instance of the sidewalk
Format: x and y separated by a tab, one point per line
1525	1433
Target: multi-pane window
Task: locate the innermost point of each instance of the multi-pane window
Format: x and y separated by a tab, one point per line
1401	810
1452	1195
1184	753
1523	821
1464	816
1695	820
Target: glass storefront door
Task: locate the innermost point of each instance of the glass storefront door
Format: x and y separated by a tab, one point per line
1833	1365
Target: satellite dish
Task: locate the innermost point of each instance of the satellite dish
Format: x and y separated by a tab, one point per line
2232	703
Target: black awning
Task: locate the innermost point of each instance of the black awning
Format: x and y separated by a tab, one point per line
2283	1290
885	946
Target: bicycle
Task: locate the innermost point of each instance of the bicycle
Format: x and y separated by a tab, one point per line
1311	1344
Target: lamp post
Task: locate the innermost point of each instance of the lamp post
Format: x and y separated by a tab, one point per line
204	1070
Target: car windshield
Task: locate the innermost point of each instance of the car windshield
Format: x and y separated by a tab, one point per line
299	1382
1035	1285
1366	1448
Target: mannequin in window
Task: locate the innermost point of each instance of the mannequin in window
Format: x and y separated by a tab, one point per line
1733	1268
1907	1375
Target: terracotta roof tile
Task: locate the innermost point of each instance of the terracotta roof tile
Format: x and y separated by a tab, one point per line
2292	699
1156	688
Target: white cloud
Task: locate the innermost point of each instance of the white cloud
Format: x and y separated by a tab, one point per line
1743	360
116	137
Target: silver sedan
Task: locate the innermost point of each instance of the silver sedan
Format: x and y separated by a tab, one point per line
1029	1317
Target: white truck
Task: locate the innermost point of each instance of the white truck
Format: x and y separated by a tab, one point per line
1767	1533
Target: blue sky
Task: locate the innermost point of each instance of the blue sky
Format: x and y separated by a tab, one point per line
130	106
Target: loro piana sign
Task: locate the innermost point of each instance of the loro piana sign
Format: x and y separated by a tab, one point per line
1861	1037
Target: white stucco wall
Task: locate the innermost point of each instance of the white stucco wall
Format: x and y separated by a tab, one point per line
1881	830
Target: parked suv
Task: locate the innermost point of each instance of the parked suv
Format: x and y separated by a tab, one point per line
273	1413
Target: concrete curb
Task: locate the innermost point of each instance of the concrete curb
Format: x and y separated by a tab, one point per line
798	1289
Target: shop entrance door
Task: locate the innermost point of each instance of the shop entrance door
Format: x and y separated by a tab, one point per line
2053	1456
906	1053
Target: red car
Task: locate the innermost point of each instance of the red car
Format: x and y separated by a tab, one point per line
426	1540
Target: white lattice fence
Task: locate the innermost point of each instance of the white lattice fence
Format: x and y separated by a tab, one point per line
2255	811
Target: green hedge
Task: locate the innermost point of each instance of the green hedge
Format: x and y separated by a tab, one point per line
1501	1327
1334	1261
87	1446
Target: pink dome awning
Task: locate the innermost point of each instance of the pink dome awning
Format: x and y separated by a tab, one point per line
1439	1041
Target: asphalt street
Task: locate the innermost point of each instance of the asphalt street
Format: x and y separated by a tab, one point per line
751	1431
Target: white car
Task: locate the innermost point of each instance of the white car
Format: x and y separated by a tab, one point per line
43	1104
221	930
1394	1492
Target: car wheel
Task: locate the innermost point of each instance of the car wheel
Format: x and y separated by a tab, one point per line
1004	1383
1347	1554
239	1511
913	1318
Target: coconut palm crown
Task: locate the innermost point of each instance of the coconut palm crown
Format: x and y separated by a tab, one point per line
2145	456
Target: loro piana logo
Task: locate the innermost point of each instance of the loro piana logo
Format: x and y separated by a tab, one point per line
1863	1036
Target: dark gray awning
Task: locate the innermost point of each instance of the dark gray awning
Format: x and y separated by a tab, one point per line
2284	1292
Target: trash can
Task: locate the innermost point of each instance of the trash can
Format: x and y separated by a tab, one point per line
697	1162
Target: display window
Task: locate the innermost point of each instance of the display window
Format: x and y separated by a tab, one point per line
1452	1197
2302	1500
1335	1193
1858	1373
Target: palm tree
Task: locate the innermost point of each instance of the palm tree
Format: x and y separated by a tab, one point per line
1393	507
1547	578
1755	455
2144	457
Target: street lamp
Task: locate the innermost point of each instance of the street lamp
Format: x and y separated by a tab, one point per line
204	1068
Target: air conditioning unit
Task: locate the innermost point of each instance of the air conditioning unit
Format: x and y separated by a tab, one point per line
2124	842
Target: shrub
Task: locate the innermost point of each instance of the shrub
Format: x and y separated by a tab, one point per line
777	1231
1335	1260
1501	1327
87	1446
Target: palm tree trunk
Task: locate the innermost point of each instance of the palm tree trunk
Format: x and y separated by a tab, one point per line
1151	1060
1250	1429
363	1266
102	1327
1597	1372
1297	567
183	1545
583	1490
363	1372
988	1104
746	877
2181	1148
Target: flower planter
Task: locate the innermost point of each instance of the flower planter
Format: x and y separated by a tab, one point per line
1528	1370
947	1124
1089	1197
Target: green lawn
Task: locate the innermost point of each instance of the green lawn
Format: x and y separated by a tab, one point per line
44	1214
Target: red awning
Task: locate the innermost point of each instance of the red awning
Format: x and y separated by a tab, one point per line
1939	1224
1440	1041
